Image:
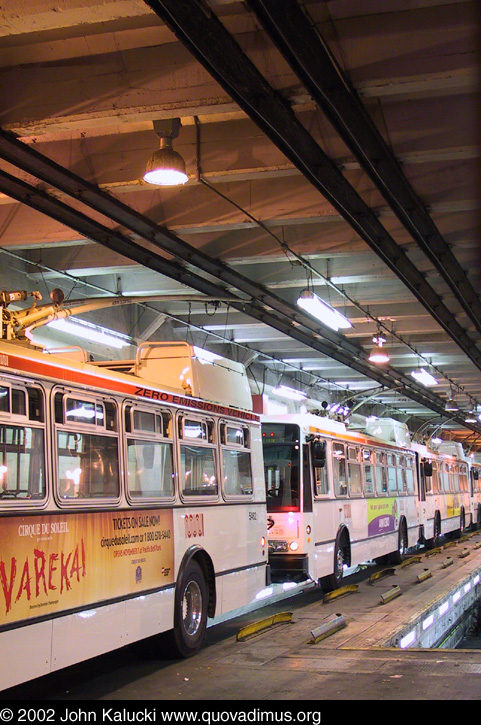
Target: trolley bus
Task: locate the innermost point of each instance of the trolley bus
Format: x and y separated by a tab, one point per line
475	489
131	504
446	501
335	497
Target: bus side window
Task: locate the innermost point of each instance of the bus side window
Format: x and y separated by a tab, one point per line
87	447
354	471
198	462
319	468
150	471
236	460
436	480
306	478
320	481
368	468
427	470
339	469
22	444
409	473
392	473
381	473
22	462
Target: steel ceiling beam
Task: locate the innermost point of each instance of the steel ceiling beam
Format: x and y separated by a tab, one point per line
30	160
198	28
303	328
309	56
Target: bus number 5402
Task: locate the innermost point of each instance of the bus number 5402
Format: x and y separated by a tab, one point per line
194	525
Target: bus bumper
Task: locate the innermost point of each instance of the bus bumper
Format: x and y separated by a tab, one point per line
289	567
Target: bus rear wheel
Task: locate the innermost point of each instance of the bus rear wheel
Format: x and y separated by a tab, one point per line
190	616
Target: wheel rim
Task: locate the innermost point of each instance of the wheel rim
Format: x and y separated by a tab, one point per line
192	608
339	563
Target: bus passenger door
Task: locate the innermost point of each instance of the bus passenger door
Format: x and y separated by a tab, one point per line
425	474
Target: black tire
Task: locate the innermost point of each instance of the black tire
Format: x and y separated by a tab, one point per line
437	530
341	557
462	525
190	616
398	556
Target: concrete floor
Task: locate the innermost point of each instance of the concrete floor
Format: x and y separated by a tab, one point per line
282	663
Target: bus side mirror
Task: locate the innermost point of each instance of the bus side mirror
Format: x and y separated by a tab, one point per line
475	474
428	469
318	453
72	443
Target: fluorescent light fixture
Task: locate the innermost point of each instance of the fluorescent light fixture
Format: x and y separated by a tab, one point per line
94	333
423	377
322	311
285	392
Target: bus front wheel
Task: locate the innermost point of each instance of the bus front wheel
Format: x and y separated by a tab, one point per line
341	560
437	530
190	616
397	557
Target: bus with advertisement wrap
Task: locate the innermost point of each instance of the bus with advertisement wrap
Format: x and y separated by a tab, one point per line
132	502
336	497
448	490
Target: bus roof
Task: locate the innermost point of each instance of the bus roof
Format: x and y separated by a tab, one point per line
167	372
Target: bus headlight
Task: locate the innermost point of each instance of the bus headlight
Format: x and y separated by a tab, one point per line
293	546
277	546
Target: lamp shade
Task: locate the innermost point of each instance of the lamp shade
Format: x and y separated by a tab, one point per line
451	406
378	354
166	167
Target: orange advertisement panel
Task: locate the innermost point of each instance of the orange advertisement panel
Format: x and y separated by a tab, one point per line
49	564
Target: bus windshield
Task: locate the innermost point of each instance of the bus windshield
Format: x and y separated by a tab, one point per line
281	444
